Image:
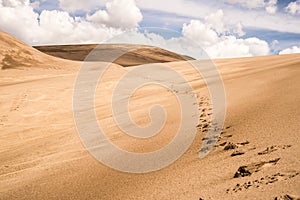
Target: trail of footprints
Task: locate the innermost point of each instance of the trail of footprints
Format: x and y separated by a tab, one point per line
206	112
273	148
269	179
247	170
239	149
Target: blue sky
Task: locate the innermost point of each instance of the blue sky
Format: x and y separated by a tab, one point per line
271	25
174	21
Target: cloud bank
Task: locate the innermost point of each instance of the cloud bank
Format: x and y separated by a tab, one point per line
294	49
270	6
109	20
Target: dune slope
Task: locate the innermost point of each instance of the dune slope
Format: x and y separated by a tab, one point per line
15	54
256	157
122	54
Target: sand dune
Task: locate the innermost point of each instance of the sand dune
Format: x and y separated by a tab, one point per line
15	54
131	55
42	157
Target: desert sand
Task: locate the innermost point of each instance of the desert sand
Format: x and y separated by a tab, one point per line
105	52
42	157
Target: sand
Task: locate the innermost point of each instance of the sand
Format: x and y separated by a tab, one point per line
122	54
42	157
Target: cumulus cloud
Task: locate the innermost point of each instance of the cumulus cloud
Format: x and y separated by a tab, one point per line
54	27
118	13
293	7
294	49
215	21
230	46
58	27
223	43
19	20
200	32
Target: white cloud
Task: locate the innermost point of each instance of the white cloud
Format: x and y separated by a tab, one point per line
21	21
14	3
200	32
257	47
215	21
271	6
118	13
248	4
224	46
58	27
294	49
239	29
51	27
293	7
218	40
79	5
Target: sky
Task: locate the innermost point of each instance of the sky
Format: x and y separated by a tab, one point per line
222	28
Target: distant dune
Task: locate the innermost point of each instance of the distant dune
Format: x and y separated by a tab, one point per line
126	54
42	156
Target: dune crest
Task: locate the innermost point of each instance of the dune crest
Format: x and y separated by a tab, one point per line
17	54
130	54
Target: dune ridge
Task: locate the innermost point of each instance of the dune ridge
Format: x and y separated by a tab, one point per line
15	54
131	55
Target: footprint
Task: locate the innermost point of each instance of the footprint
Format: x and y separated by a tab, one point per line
221	145
3	119
237	153
266	180
243	143
247	170
273	148
286	197
230	146
227	136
